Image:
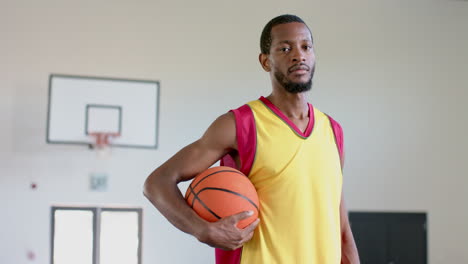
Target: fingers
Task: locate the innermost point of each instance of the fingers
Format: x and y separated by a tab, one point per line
244	238
250	228
242	215
226	235
248	232
247	238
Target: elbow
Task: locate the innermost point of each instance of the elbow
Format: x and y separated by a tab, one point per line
145	188
149	186
155	184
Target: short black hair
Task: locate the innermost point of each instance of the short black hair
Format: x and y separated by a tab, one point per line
265	38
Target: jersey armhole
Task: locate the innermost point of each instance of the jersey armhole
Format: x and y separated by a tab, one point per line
338	132
246	137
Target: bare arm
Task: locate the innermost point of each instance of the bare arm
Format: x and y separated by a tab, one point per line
161	187
349	253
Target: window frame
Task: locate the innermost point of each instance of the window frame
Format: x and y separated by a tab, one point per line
97	210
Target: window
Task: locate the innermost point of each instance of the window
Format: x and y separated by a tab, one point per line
96	235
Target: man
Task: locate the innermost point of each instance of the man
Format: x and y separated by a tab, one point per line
289	150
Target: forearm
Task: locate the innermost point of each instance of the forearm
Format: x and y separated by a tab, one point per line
164	194
349	253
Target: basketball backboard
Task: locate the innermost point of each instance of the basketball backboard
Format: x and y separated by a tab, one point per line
81	106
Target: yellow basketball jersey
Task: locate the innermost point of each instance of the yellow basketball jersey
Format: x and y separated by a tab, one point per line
298	178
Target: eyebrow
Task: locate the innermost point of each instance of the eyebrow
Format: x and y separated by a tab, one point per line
289	42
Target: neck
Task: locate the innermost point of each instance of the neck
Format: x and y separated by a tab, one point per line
292	105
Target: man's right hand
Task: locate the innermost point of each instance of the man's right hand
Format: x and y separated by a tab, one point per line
225	234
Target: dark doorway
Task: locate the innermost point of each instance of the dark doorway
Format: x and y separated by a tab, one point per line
390	238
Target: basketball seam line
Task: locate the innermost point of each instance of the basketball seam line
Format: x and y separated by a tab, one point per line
195	196
192	188
216	173
229	191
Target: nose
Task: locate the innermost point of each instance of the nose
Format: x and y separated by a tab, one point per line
298	55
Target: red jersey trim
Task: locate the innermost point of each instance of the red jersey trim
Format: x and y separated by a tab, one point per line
285	119
246	136
228	256
339	139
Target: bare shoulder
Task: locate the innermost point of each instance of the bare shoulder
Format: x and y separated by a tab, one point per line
225	122
218	140
222	132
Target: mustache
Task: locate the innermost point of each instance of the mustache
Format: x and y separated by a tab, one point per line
299	66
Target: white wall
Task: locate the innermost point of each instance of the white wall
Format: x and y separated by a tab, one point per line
392	72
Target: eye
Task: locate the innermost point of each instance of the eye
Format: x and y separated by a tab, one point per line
285	49
308	47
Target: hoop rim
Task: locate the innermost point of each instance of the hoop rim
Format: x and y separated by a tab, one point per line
102	139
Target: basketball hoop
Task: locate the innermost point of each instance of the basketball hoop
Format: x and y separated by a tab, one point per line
101	142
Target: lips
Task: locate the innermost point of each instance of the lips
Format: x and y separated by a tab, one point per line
298	68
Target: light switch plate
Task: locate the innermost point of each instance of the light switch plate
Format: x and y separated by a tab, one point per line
98	181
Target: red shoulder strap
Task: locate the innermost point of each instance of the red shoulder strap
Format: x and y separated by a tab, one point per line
338	131
246	135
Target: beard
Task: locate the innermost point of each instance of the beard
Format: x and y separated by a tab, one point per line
294	87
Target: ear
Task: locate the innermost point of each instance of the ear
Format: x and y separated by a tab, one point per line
264	61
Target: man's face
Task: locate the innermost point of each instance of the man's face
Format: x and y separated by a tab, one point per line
292	59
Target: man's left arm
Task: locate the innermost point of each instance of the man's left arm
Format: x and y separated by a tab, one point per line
349	253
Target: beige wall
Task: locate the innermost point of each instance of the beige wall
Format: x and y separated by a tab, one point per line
392	72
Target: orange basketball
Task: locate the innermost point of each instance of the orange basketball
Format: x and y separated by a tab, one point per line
222	191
